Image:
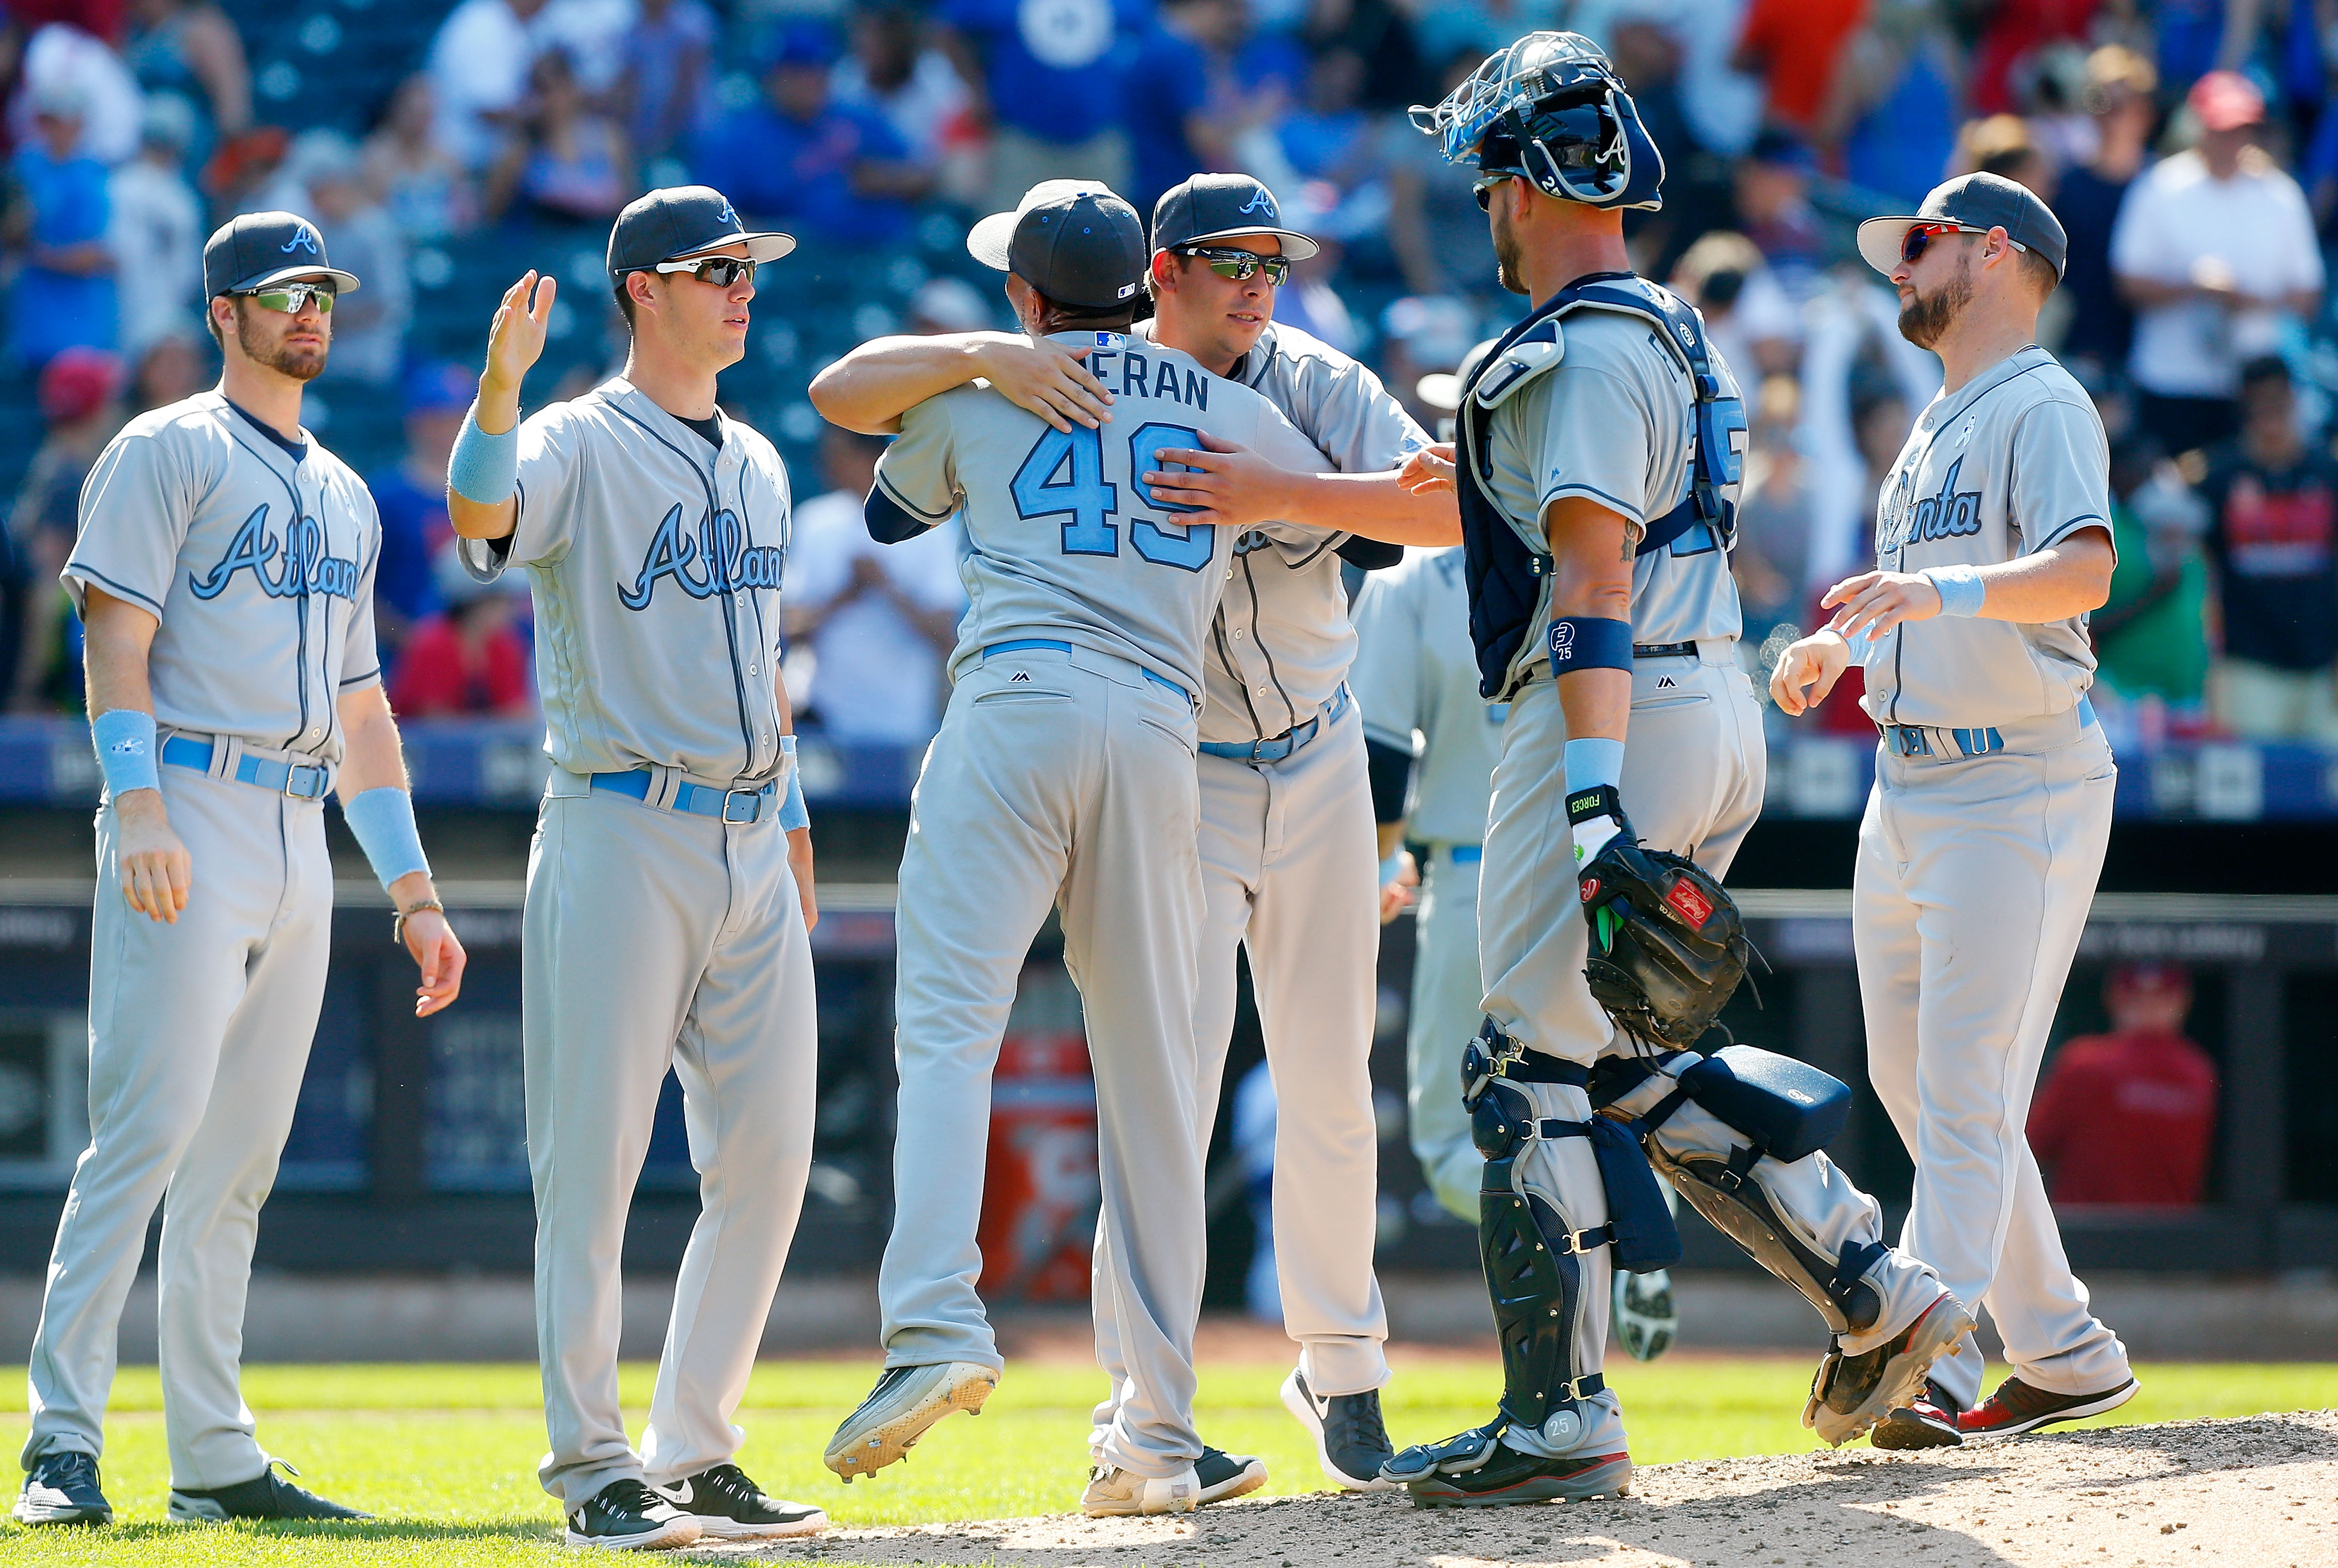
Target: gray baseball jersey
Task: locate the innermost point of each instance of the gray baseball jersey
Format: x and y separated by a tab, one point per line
1613	419
1416	679
655	560
1282	640
259	564
2008	464
1115	572
258	560
654	934
1978	859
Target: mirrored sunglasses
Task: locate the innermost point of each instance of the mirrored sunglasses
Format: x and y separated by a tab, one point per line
291	298
1484	190
722	271
1239	265
1919	237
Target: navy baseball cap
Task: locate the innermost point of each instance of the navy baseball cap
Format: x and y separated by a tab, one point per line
257	248
684	221
1072	239
1220	207
1981	201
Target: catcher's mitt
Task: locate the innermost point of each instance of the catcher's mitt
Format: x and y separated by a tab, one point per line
1667	943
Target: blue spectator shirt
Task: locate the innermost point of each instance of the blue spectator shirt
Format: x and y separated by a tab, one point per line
414	527
1168	81
1055	68
49	311
2273	534
798	173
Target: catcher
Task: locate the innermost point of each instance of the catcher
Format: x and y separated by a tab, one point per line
1599	447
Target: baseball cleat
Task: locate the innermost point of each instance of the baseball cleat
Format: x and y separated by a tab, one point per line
1223	1476
1117	1491
62	1489
1350	1442
2017	1408
1476	1469
627	1516
1926	1421
729	1507
1647	1321
266	1496
905	1401
1852	1393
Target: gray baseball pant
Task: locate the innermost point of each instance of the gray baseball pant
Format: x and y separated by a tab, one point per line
199	1033
653	940
1287	869
1063	778
1448	987
1974	878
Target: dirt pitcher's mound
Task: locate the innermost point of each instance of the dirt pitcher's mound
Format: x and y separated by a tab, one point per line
2256	1491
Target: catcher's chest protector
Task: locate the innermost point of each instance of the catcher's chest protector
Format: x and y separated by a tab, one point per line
1505	575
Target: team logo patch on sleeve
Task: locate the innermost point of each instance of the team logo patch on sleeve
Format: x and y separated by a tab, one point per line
1692	905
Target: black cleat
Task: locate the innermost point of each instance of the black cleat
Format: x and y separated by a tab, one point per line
1926	1421
729	1507
627	1516
266	1496
1477	1469
1224	1475
1351	1444
63	1489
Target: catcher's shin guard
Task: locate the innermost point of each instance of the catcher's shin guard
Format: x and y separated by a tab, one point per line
1534	1271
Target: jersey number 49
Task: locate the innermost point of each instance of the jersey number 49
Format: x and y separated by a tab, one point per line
1064	477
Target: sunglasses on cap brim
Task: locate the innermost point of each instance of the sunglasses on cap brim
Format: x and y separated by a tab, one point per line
722	271
1919	237
291	298
1239	265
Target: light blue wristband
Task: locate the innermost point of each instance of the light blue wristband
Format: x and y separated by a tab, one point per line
382	821
482	467
1960	588
793	812
1392	868
1592	762
124	739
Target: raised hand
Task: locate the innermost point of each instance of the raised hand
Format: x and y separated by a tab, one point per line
515	343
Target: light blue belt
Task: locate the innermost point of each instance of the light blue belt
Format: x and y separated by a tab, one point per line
1925	740
302	781
1289	741
1464	854
697	799
1054	647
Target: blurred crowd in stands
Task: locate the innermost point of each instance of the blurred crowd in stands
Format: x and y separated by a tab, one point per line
2189	146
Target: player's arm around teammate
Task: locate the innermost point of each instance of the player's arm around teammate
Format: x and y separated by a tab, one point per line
1991	809
670	886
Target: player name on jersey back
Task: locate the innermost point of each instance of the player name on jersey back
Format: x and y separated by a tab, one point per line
1064	542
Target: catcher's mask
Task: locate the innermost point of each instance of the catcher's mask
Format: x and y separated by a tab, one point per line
1551	108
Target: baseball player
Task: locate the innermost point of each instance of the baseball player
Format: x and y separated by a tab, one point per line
670	886
1597	464
1064	774
1281	833
1993	801
224	571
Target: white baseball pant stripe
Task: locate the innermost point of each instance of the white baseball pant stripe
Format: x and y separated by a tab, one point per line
654	939
1288	869
1061	778
199	1033
1448	987
1973	883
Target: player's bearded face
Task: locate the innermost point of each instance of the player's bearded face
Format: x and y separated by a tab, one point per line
1509	256
291	345
1923	317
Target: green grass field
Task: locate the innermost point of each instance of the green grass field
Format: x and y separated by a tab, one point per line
446	1455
